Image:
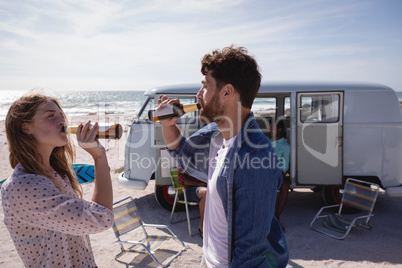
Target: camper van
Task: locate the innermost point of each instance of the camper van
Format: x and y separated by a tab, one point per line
335	131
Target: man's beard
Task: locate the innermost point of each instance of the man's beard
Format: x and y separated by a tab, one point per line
212	112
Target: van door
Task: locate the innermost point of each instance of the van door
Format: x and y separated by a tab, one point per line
139	153
319	138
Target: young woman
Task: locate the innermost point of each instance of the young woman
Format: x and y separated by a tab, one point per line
44	212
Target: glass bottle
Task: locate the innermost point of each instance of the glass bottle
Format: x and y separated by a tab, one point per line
108	131
170	111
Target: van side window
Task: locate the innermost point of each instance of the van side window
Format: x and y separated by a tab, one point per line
320	108
264	110
264	107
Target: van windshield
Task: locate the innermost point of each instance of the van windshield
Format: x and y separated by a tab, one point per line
151	104
143	114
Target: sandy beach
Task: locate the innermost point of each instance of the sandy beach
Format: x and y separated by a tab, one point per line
380	247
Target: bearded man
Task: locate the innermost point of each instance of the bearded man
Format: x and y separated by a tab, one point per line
231	154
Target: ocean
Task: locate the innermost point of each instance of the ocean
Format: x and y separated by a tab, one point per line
76	103
84	102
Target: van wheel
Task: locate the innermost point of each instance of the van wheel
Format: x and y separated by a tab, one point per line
165	198
331	195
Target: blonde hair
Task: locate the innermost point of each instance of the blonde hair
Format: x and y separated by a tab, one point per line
22	146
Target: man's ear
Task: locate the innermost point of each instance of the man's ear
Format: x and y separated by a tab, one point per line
228	91
26	129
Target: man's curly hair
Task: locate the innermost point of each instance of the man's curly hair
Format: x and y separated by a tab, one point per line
232	65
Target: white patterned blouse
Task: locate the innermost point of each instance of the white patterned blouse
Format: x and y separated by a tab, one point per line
50	228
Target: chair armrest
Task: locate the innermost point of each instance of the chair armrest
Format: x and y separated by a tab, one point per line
318	215
121	200
178	188
159	226
331	206
324	208
155	225
129	242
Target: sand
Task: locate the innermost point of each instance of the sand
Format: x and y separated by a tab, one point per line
380	247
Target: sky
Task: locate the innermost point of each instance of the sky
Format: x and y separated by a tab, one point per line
140	44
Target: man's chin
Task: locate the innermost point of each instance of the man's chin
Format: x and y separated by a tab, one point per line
205	118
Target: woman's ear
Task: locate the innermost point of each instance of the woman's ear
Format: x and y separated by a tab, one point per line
26	129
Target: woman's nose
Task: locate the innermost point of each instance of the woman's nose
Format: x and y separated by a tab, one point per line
62	121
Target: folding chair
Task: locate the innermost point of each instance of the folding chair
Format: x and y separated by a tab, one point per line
180	190
126	219
356	194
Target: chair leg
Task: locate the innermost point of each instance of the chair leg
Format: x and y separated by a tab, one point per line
187	214
118	255
174	206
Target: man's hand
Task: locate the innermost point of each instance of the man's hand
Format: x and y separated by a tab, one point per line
165	101
170	131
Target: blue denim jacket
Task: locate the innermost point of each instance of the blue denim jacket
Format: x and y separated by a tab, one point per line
247	186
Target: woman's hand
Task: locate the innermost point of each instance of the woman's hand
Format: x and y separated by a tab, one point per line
86	137
103	191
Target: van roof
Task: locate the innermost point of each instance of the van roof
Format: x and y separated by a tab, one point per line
278	87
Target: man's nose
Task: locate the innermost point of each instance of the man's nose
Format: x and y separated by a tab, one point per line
199	94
